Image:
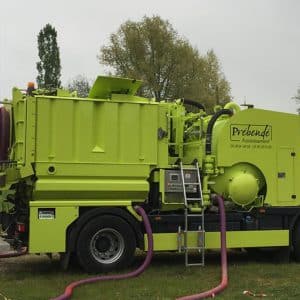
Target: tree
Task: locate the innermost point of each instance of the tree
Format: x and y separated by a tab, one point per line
80	84
49	68
214	89
297	98
169	66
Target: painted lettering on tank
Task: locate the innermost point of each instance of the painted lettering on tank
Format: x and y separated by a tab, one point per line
251	133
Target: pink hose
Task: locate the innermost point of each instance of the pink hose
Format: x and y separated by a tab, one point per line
224	281
8	254
69	289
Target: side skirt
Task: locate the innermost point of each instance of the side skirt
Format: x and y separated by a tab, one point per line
235	239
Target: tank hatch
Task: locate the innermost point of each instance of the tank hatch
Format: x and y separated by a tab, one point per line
105	86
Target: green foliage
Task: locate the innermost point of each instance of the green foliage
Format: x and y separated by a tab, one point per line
80	84
49	68
169	66
297	98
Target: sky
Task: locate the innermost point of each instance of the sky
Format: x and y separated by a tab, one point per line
256	41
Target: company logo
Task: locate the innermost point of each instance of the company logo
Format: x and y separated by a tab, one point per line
250	133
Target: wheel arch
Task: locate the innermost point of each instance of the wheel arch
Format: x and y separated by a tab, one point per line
86	214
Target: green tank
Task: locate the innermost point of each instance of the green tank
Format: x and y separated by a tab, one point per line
241	183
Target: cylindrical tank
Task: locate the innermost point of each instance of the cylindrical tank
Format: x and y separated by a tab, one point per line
240	183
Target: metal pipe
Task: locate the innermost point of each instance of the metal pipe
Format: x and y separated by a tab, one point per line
69	289
224	282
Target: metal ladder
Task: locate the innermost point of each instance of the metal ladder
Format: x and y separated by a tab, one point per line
188	202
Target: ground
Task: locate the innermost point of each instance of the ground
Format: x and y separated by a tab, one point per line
37	277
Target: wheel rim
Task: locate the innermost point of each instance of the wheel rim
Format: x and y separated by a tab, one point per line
107	245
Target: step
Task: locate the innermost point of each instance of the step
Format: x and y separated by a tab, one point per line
196	209
4	246
194	248
195	264
193	231
194	215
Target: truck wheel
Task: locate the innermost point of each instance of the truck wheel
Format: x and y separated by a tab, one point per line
296	241
105	243
282	255
276	254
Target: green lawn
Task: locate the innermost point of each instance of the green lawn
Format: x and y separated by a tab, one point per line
36	277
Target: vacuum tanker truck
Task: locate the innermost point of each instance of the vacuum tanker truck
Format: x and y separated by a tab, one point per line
73	169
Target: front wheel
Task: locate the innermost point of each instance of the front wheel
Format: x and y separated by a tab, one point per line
105	243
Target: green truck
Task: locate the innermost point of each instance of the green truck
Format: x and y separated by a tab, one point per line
72	170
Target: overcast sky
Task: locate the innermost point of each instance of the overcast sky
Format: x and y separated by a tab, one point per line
257	41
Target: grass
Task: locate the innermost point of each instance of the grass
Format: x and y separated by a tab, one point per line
36	278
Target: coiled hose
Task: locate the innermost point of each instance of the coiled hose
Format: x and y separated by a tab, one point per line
69	289
224	282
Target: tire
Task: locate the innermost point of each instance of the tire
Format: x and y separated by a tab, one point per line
254	251
276	254
282	255
106	243
296	241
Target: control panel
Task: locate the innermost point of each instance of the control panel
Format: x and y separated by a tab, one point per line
173	182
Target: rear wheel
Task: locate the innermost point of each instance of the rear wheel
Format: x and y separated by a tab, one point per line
276	254
296	241
105	243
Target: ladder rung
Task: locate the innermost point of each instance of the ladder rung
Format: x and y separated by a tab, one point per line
195	264
192	212
194	248
195	211
195	215
189	168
